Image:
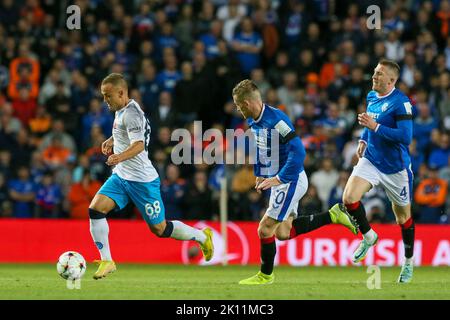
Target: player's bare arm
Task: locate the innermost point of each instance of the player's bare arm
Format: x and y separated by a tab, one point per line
133	150
107	146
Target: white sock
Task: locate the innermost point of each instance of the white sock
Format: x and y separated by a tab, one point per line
182	231
99	232
370	236
409	260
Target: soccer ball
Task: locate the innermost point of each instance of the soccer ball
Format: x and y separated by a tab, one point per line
71	265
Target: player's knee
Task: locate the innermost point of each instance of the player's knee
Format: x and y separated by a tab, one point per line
401	219
264	232
282	235
95	211
349	197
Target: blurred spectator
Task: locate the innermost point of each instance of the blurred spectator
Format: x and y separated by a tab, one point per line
197	201
258	77
82	167
48	197
225	12
58	130
148	87
81	95
169	76
58	104
247	44
56	154
310	203
211	39
164	114
243	180
185	96
275	72
163	141
5	163
22	149
98	116
439	155
334	125
324	180
22	192
173	189
81	194
4	197
286	93
41	123
337	191
417	158
431	195
205	17
184	29
423	125
24	106
374	202
159	161
164	39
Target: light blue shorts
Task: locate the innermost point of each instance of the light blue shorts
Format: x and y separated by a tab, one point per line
146	196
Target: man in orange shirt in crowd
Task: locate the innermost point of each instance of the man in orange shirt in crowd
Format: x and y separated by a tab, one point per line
81	195
56	155
431	195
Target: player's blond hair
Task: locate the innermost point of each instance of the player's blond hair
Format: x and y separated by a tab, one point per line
116	79
392	65
246	90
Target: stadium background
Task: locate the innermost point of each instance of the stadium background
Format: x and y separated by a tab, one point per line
313	59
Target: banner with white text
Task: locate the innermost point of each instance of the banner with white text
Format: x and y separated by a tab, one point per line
43	240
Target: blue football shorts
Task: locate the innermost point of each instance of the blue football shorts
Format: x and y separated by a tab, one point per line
146	196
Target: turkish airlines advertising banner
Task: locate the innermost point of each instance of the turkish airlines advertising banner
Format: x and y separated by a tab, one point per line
132	242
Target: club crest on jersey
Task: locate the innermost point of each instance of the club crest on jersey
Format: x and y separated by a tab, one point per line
384	107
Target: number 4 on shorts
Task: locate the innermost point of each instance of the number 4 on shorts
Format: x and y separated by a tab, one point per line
403	193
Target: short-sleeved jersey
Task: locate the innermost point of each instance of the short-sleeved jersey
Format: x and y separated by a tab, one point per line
387	156
131	125
283	130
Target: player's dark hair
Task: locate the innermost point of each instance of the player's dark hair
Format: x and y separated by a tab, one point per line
392	65
116	79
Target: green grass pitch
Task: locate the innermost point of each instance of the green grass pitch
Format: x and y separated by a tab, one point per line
171	282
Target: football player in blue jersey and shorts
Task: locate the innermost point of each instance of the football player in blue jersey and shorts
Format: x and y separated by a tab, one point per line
133	178
282	172
384	160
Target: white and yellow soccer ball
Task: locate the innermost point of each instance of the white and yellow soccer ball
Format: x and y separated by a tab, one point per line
71	265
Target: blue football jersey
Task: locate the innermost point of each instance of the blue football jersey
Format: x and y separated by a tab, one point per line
388	145
283	157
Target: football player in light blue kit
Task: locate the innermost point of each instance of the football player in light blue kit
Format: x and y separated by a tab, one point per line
384	159
279	166
133	179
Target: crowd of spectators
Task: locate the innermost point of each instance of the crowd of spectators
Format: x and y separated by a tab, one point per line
311	58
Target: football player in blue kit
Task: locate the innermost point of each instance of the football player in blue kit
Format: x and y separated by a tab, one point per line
279	167
384	159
